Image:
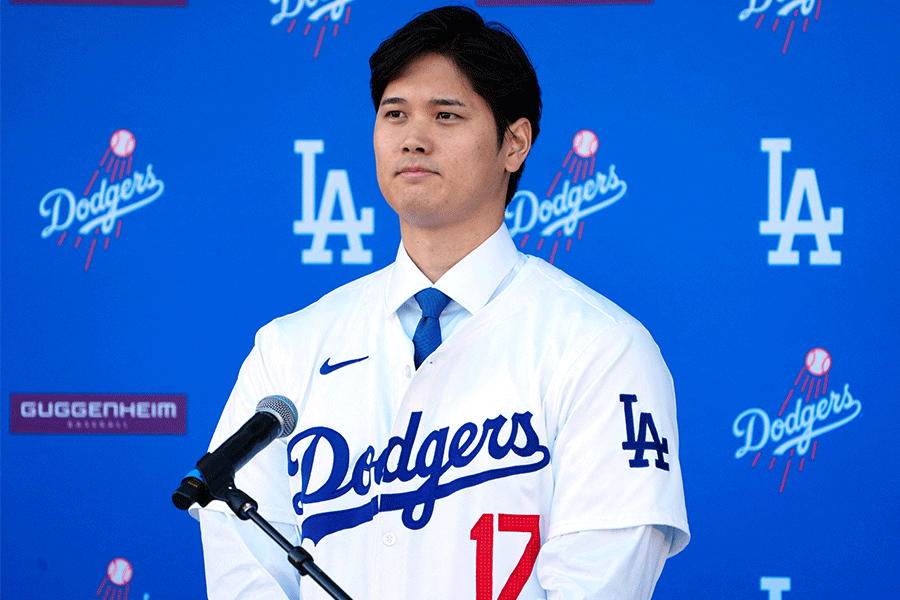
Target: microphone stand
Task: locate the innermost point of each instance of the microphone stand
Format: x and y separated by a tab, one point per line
246	507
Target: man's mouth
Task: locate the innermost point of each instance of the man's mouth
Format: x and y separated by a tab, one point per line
414	172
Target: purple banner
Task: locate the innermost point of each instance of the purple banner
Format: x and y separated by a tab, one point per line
98	413
105	2
556	2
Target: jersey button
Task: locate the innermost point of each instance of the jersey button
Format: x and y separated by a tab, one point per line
389	539
408	371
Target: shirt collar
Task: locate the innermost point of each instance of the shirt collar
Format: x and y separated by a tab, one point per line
471	282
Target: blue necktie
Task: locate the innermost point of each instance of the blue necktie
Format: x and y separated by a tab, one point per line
428	332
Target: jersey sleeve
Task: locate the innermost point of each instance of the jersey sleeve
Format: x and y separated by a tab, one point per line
614	455
241	562
264	477
606	564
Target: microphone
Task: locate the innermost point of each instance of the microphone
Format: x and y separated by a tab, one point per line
276	417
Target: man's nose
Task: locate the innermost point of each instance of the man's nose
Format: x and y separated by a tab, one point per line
418	138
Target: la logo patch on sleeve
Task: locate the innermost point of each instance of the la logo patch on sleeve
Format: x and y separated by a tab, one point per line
639	442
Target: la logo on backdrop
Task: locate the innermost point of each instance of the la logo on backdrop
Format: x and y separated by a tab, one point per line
809	411
321	225
805	185
781	11
115	189
579	188
319	19
776	586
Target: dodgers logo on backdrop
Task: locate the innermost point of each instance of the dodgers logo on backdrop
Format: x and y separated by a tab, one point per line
812	411
321	225
567	202
791	225
117	583
783	10
431	471
100	213
327	16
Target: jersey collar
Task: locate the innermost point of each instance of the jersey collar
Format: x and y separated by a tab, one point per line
471	282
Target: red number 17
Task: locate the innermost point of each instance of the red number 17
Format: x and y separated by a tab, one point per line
483	534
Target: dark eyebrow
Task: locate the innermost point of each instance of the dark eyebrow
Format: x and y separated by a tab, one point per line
447	102
393	100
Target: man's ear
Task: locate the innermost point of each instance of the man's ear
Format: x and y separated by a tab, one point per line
517	144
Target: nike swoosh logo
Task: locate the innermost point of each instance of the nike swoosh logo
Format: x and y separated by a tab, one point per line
325	369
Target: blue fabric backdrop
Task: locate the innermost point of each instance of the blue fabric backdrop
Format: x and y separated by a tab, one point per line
713	133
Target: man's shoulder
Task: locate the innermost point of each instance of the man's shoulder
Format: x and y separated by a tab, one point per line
363	294
558	293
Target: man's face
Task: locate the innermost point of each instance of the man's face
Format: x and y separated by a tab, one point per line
436	151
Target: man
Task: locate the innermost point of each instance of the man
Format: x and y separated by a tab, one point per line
473	423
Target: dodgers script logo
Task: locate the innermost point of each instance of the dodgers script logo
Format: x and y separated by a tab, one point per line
812	411
427	470
784	10
562	214
119	192
336	12
323	224
804	186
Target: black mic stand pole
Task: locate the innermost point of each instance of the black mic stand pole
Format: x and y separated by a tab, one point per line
246	507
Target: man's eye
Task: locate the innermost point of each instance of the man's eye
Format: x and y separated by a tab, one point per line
393	114
445	116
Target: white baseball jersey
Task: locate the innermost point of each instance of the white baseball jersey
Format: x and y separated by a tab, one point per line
548	412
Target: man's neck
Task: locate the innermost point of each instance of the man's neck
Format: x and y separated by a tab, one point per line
435	252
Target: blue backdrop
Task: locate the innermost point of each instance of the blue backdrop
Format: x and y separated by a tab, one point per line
164	172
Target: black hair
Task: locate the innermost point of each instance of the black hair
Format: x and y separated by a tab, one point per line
488	54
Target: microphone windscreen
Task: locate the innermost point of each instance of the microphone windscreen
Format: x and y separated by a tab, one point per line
283	410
